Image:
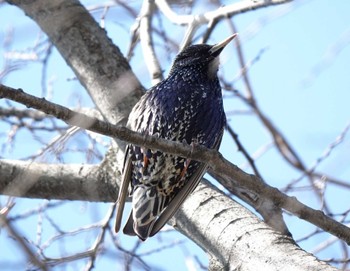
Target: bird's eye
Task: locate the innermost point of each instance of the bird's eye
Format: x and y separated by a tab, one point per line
194	54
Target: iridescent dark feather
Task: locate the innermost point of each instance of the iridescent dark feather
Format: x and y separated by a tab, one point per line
185	107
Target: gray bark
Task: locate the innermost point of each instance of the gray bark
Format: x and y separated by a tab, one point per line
236	239
233	237
66	182
96	61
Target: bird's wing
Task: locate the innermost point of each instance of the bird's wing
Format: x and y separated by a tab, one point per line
179	199
181	196
129	226
123	190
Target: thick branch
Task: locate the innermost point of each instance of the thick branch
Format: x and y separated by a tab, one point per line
68	182
236	238
220	165
222	227
96	61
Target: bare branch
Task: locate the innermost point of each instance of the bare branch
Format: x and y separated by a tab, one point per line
22	113
193	22
32	256
245	152
109	78
226	231
149	54
329	56
35	180
220	165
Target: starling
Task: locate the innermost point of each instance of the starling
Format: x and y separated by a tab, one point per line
185	107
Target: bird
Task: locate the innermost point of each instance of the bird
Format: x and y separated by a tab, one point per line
185	107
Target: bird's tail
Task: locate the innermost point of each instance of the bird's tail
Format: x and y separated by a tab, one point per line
147	206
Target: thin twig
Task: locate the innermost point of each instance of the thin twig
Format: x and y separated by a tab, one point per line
244	151
32	256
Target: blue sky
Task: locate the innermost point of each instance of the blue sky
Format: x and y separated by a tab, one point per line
301	83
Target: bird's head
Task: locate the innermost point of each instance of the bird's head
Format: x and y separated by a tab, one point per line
201	55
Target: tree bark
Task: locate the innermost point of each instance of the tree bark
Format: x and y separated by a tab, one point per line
233	237
96	61
229	174
65	182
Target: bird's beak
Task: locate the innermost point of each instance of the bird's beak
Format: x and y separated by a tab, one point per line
217	48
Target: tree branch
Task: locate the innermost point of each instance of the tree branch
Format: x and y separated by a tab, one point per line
221	226
13	232
236	238
97	62
193	22
147	45
220	165
68	182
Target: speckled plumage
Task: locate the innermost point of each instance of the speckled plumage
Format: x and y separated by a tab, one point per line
185	107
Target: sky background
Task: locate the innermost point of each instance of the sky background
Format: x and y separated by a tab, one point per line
301	82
